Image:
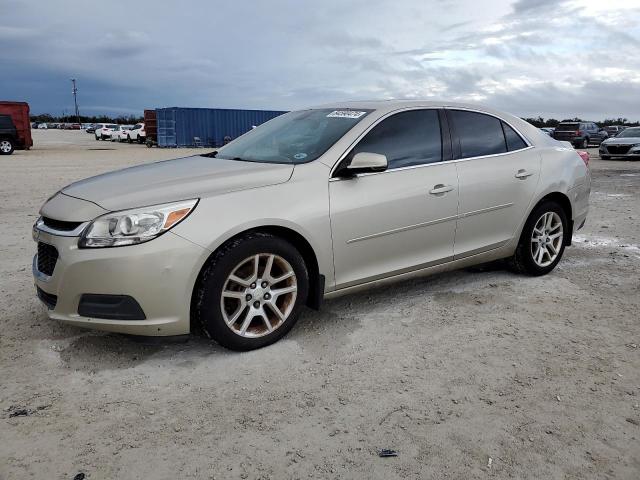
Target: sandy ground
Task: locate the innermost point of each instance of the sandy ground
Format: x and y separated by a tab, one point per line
472	374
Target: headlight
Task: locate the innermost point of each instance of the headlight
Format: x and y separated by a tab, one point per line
139	225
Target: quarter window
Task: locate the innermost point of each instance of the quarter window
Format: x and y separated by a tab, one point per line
479	134
514	141
406	139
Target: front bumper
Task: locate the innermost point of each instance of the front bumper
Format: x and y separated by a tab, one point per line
619	151
159	275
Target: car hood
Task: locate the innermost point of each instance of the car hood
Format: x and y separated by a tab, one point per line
173	180
622	141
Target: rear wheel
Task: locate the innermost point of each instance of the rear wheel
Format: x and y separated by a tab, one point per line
585	143
251	293
542	242
6	146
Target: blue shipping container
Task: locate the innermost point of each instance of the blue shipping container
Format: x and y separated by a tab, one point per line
179	127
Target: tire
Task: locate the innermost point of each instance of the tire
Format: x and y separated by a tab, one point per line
97	138
585	143
223	317
523	260
6	146
129	139
605	157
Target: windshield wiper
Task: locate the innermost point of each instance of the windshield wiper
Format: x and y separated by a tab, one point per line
210	154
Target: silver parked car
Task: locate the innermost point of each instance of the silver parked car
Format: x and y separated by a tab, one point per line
625	144
312	204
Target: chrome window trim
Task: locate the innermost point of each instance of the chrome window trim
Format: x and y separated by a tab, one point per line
406	109
60	233
37	273
526	140
457	160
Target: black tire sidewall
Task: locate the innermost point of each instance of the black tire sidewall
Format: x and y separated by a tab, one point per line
524	247
213	282
13	147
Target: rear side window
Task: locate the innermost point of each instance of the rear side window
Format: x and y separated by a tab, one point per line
406	139
479	134
6	122
514	141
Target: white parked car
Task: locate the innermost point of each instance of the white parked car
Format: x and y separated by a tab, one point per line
137	134
103	130
43	126
120	133
312	204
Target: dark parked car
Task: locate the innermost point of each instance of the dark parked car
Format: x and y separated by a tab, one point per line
580	134
8	135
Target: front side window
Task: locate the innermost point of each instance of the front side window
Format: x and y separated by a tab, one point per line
295	137
479	134
406	139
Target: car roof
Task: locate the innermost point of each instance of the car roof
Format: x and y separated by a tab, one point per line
382	107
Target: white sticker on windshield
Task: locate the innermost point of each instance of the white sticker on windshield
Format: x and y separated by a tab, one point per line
345	114
300	156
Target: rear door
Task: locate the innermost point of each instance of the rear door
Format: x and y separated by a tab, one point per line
498	174
404	218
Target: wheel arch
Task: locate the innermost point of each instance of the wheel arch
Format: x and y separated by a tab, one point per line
563	200
316	280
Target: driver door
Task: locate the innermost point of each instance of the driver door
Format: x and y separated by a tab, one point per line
402	219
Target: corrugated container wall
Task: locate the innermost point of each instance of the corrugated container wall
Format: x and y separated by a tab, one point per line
179	127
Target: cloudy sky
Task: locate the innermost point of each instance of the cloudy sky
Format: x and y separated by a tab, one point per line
529	57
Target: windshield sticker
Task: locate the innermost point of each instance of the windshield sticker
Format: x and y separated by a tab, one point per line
300	156
345	114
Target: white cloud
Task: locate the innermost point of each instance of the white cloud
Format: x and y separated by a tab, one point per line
529	57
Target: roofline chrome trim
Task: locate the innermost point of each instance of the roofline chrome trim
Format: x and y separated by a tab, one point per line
407	109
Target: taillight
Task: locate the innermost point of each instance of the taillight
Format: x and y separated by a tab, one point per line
584	156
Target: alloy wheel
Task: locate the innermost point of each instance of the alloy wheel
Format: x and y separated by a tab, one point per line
5	146
259	295
546	239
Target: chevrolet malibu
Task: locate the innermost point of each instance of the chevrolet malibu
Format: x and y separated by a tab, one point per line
312	204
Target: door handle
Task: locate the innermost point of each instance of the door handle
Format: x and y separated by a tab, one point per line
522	174
440	188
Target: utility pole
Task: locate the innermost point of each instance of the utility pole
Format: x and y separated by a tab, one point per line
74	90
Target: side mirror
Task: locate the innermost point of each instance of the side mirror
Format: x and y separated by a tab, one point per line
365	162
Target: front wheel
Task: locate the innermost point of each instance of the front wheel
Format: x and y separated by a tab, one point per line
6	147
585	143
251	292
542	242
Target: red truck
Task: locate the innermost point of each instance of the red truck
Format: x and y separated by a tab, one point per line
15	127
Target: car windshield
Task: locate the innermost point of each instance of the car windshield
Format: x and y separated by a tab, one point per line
629	132
295	137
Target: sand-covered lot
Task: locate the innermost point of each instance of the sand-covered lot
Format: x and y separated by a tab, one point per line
471	374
